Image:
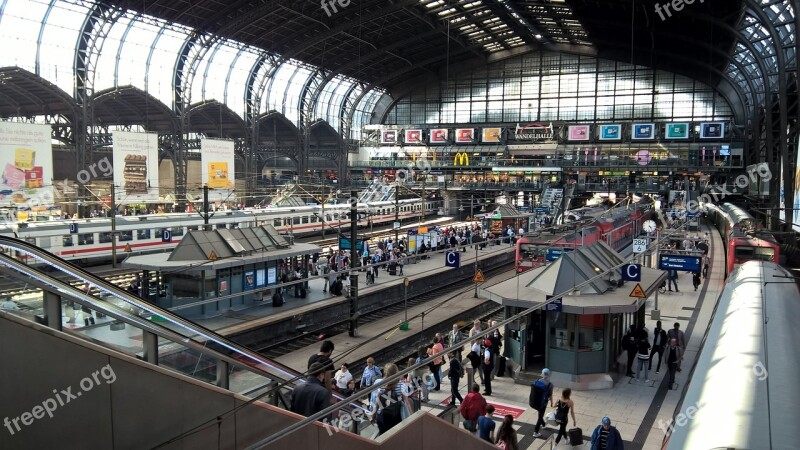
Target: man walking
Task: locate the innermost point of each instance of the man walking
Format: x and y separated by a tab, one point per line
541	395
673	280
606	437
679	336
629	345
659	342
454	336
674	357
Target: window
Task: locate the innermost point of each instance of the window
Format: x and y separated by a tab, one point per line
125	236
277	223
177	231
86	239
105	238
591	332
67	241
561	335
142	234
44	242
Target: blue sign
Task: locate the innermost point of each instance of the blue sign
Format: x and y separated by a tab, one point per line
557	305
524	209
452	259
555	252
644	131
413	232
610	132
344	244
632	272
542	209
73	228
166	236
691	213
680	262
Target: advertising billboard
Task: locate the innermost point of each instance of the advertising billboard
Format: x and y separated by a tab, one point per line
389	137
578	132
135	167
712	130
413	137
438	136
490	135
217	166
677	131
641	131
610	132
465	135
26	161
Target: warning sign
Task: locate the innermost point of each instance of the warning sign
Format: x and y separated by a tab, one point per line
478	278
128	248
212	256
638	292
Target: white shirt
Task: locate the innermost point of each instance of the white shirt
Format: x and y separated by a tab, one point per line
342	378
476	348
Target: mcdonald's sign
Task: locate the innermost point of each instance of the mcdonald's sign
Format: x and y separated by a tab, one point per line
461	159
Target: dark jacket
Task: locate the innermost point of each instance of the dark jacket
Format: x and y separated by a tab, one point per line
310	397
662	340
497	342
614	441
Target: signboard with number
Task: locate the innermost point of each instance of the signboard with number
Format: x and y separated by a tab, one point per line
166	236
632	272
680	262
73	228
556	252
639	245
556	306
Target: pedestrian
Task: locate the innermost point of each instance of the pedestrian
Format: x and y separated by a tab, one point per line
497	341
488	366
324	357
643	358
343	377
564	407
476	328
454	336
420	373
312	396
541	395
676	333
674	357
606	437
506	436
706	265
486	425
473	406
371	373
474	357
629	345
673	280
659	342
437	363
455	373
696	280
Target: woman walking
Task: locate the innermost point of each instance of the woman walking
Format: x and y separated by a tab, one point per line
507	437
564	407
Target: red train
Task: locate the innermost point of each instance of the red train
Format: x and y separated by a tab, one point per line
617	227
744	240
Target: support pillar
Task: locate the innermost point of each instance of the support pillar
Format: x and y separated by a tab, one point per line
150	347
53	311
223	380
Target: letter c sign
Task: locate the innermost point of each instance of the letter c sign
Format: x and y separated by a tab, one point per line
632	272
452	259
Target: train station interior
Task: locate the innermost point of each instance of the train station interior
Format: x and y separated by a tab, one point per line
364	224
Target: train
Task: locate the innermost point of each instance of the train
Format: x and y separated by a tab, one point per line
742	391
616	226
743	237
89	240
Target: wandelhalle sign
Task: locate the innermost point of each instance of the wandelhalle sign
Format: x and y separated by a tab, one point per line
535	132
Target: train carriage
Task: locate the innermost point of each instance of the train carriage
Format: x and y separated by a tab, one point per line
744	241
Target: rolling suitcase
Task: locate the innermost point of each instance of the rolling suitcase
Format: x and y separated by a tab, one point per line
392	269
277	299
575	436
303	293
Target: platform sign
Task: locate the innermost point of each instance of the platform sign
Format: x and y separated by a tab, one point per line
632	272
73	228
638	292
542	209
680	262
396	226
452	259
556	252
639	245
166	236
556	306
344	244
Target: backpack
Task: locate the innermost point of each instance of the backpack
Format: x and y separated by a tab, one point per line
562	412
456	369
391	414
540	394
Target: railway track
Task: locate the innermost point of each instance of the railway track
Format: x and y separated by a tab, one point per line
307	338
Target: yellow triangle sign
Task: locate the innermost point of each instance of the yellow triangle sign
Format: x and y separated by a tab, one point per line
128	248
478	278
638	292
212	256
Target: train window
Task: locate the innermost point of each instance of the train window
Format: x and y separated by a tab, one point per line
314	219
67	241
86	239
277	223
142	234
177	231
105	238
748	253
44	242
296	220
125	236
221	225
193	228
305	219
158	233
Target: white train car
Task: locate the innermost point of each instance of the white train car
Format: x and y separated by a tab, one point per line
87	240
744	392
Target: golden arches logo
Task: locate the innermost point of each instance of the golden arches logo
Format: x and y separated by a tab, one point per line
461	159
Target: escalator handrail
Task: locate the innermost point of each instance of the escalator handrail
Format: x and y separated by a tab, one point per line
42	279
113	289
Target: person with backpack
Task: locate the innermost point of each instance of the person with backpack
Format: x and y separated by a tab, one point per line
390	401
696	280
629	345
541	395
564	407
455	374
420	374
643	358
606	437
473	406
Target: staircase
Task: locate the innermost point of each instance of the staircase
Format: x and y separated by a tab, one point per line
551	196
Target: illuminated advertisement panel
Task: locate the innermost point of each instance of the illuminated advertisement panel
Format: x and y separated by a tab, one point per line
610	132
135	166
578	132
217	167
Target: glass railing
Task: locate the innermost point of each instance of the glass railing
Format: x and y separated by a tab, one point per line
561	162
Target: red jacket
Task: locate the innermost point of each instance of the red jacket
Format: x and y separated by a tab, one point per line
473	406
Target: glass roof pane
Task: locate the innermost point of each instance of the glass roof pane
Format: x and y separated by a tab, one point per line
292	97
237	85
162	65
57	52
274	98
107	62
135	50
214	79
199	77
19	32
